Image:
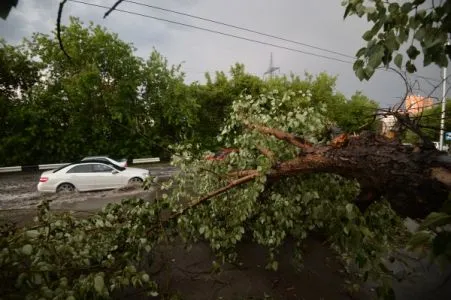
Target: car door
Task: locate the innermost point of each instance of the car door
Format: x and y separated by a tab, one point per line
82	177
107	177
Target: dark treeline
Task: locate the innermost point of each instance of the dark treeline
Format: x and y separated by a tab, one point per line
108	101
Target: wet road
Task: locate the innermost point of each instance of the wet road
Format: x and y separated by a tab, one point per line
18	190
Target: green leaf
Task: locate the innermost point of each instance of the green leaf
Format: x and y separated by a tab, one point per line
361	52
393	7
412	52
32	234
420	33
368	35
375	60
145	277
406	7
420	239
348	10
403	35
358	64
398	60
27	249
360	9
436	219
360	74
99	284
369	71
410	67
391	42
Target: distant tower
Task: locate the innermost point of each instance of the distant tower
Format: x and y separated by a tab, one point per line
271	68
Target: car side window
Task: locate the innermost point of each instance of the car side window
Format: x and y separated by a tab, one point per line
99	168
81	169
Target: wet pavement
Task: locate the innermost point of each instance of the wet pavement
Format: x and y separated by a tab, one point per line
18	190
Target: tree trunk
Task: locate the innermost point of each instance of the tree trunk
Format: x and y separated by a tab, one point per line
415	181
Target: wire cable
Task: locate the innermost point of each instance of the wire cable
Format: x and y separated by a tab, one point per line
216	32
256	32
241	28
235	36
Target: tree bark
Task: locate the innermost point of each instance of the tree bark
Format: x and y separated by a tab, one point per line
414	181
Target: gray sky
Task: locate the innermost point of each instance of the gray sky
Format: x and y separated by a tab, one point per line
315	22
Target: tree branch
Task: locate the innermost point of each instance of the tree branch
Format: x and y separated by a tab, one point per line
231	185
112	8
58	28
266	152
282	135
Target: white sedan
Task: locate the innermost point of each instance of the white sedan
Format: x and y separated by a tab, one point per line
89	176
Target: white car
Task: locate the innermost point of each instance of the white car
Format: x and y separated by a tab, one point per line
437	146
89	176
121	163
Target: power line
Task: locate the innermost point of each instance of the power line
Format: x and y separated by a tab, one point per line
256	32
236	36
241	28
216	32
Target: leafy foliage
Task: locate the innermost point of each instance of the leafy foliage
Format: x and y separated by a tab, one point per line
62	256
105	100
108	101
395	24
294	207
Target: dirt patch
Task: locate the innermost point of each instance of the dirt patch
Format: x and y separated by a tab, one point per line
188	275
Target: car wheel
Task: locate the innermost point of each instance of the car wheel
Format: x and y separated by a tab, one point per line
65	188
135	180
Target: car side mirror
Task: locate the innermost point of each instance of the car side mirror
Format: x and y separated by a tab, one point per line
115	172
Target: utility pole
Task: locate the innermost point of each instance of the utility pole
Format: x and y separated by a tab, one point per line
442	121
271	68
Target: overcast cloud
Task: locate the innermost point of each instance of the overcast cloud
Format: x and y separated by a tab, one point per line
315	22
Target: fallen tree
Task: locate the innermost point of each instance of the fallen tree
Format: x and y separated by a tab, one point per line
416	181
284	181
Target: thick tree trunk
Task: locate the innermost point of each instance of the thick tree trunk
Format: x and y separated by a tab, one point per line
415	181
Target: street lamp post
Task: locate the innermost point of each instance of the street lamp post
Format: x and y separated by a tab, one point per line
442	120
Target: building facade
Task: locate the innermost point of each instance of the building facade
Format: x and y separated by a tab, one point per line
416	104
